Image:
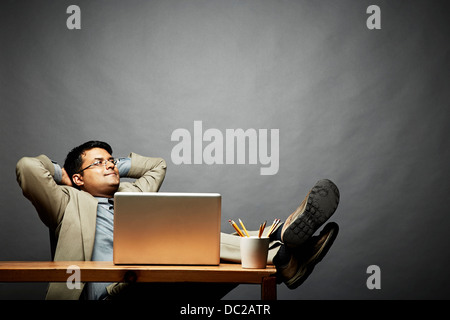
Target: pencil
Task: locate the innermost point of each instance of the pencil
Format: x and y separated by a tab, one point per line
261	229
276	225
236	227
243	227
273	226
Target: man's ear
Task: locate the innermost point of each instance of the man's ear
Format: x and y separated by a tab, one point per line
78	179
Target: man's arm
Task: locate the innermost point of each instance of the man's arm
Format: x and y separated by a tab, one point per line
148	172
36	178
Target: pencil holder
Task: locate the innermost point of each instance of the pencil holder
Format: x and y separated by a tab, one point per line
254	252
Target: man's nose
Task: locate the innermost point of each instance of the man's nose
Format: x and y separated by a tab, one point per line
110	164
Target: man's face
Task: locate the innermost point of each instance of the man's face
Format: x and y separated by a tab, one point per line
99	180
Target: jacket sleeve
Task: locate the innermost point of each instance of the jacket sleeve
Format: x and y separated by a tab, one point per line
148	172
35	176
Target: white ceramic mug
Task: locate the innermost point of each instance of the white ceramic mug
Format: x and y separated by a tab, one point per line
254	252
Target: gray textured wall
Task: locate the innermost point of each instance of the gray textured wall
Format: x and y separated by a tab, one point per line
365	108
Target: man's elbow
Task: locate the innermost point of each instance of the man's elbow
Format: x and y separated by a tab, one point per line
28	169
23	167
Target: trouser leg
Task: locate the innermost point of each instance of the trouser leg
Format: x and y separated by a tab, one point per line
230	249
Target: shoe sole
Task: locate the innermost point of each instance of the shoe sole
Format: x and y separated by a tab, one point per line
320	204
304	272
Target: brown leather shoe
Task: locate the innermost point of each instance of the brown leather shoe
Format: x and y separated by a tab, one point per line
304	259
318	206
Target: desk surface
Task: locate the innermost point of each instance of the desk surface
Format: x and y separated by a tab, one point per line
101	271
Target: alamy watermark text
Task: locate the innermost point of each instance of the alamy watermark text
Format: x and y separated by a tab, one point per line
235	146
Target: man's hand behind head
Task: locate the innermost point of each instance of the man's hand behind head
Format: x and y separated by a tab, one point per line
65	178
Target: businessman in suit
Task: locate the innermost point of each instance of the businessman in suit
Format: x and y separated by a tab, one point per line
76	203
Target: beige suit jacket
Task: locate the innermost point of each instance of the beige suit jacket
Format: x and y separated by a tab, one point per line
70	213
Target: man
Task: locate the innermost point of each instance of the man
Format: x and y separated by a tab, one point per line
76	204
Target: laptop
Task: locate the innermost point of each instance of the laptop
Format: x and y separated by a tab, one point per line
167	228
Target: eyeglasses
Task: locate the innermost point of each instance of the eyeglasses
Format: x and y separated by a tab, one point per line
100	163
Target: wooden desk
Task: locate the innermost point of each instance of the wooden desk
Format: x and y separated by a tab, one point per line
100	271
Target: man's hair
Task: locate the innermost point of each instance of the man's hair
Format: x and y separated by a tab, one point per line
74	160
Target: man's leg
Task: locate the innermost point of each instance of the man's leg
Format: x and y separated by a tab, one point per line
293	251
